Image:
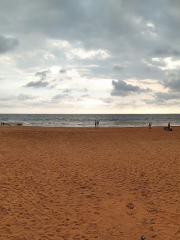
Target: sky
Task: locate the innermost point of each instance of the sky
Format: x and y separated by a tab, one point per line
90	56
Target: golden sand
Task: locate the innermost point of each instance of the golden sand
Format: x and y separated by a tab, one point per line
89	183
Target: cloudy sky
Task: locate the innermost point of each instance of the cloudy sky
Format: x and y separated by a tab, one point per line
90	56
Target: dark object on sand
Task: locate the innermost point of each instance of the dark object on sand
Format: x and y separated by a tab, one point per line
168	127
143	237
130	205
4	123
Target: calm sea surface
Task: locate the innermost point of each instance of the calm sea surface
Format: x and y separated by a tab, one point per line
87	120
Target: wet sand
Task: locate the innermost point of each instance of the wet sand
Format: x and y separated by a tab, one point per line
89	183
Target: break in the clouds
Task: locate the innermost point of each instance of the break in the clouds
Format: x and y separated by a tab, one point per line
58	49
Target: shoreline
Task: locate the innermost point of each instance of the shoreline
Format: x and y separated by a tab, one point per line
91	127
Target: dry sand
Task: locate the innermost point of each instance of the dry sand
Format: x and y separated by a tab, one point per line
89	183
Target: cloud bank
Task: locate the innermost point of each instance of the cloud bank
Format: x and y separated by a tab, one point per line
117	52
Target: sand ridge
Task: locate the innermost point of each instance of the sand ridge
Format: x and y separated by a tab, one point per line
89	183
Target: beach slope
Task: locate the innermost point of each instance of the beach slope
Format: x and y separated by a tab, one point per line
89	183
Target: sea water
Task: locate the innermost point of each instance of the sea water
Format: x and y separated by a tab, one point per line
88	120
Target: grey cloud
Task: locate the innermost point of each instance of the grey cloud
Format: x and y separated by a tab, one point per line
7	44
174	4
163	96
80	23
37	84
107	100
81	90
23	96
62	71
42	74
59	97
163	103
52	86
67	90
151	101
165	51
161	50
172	81
136	68
85	96
118	68
121	88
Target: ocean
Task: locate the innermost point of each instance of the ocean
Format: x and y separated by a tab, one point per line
87	120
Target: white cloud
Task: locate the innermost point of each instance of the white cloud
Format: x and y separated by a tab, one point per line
101	54
73	73
168	62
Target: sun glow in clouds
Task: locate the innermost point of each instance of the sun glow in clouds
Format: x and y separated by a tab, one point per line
54	70
73	73
100	54
151	25
170	64
91	102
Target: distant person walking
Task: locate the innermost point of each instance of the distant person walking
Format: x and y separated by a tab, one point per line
95	123
149	127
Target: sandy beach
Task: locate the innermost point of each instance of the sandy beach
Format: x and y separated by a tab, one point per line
89	183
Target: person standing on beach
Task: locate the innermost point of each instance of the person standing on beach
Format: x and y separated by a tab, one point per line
95	123
98	123
149	127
